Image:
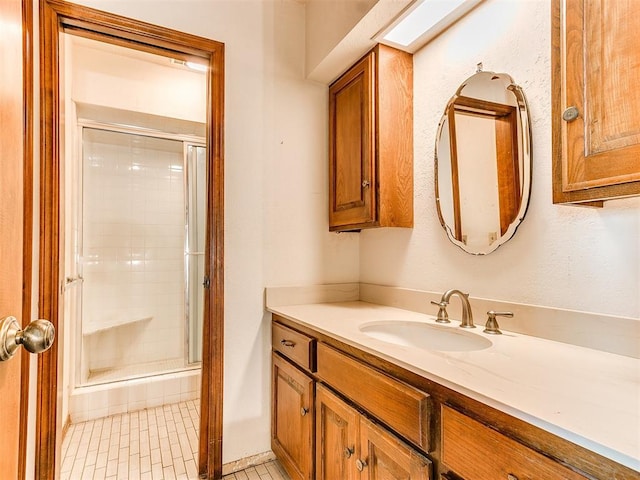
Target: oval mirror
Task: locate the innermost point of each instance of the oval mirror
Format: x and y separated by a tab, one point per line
483	162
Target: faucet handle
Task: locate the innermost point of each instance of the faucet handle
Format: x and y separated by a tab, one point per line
492	326
443	316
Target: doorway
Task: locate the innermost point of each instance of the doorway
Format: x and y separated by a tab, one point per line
203	260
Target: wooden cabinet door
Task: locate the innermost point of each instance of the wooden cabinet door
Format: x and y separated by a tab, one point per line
336	437
351	147
384	457
292	414
596	59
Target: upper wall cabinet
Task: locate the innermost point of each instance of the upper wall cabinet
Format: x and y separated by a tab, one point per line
371	143
596	100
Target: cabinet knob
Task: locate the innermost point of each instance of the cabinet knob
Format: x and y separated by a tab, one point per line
304	411
348	452
287	343
570	114
365	183
511	476
360	464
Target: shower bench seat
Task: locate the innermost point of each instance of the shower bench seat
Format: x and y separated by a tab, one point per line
92	328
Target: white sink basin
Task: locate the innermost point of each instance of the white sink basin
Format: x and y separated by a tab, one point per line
425	336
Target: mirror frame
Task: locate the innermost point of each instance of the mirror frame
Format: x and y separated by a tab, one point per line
465	103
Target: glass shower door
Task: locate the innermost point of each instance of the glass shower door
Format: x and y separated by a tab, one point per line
133	237
196	191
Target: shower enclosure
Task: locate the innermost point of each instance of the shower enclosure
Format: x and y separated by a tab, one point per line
139	253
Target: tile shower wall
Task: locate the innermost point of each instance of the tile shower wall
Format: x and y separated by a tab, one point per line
133	249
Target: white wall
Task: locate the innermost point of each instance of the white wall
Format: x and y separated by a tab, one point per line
561	256
110	79
276	229
327	23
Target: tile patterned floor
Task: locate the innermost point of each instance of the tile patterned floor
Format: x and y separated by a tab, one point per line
154	444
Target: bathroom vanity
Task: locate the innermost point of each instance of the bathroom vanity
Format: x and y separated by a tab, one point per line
351	401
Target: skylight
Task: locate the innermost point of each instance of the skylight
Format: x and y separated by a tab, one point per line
424	20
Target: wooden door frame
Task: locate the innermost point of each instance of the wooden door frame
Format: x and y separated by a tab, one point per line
57	16
27	248
507	156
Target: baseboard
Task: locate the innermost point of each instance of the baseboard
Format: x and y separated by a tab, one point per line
247	462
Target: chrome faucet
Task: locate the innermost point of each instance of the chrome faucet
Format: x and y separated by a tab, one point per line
467	314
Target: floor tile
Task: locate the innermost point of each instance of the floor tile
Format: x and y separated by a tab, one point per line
155	444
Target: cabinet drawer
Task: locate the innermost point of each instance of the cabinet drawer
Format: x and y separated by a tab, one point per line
477	452
294	345
402	407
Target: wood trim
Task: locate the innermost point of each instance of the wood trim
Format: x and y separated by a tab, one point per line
127	31
27	248
455	177
508	163
210	447
56	16
49	253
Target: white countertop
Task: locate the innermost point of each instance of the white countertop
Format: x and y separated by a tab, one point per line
586	396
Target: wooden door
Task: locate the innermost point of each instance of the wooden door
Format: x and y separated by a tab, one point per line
385	457
292	417
336	437
12	118
596	114
351	147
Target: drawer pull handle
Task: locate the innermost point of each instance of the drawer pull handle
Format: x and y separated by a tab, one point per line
348	452
287	343
304	411
511	476
360	464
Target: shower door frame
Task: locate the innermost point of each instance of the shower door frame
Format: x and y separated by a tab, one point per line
187	140
58	16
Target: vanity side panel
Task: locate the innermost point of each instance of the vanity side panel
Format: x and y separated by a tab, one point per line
394	134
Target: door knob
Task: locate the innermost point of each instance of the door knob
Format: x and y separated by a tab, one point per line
37	337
